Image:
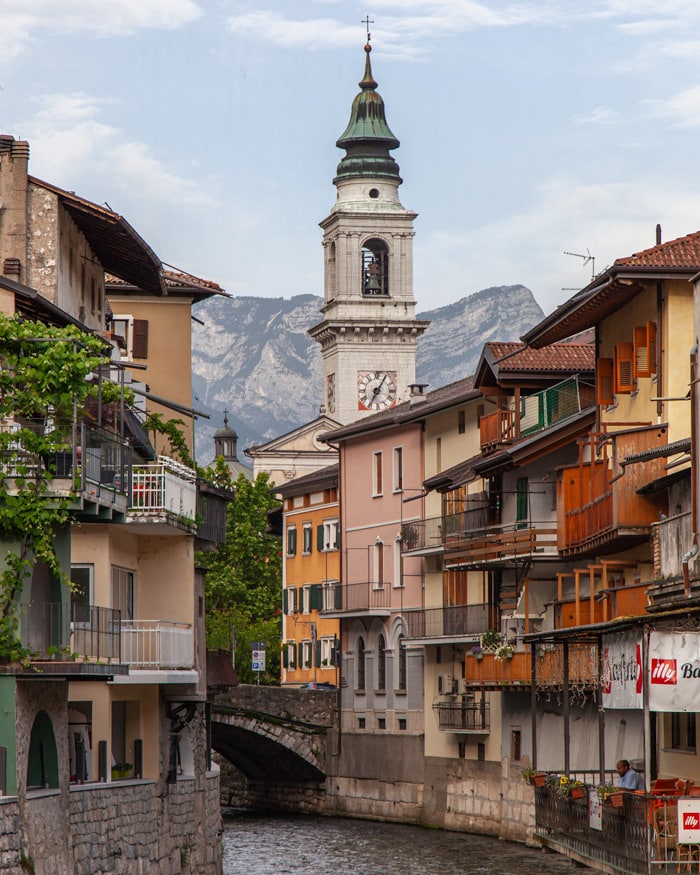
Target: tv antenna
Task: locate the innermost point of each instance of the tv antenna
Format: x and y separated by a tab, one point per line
586	258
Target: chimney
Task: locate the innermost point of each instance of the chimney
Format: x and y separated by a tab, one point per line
14	162
417	393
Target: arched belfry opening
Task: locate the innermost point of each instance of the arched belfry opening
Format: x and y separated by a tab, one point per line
375	268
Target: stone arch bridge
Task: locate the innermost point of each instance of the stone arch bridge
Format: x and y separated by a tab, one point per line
279	741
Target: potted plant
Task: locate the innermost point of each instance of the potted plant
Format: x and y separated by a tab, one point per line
409	536
612	794
534	777
477	652
505	651
121	770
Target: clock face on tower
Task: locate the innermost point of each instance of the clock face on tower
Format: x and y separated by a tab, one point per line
376	390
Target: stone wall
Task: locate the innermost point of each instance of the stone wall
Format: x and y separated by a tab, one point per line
10	853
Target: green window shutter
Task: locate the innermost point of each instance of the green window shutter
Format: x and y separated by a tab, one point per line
317	654
285	602
319	538
285	656
522	499
316	597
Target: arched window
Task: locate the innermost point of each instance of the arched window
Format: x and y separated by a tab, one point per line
375	268
378	564
42	763
381	663
402	662
360	663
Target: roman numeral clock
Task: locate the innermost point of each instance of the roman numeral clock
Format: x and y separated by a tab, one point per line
376	390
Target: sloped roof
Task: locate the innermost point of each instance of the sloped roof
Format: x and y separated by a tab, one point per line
411	411
567	357
119	248
309	482
176	282
684	252
677	259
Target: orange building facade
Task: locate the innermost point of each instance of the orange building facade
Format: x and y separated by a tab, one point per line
311	575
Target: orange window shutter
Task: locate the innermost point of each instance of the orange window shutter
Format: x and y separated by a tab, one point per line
624	368
641	352
604	370
651	342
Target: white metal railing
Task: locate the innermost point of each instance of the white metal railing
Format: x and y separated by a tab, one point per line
157	644
164	486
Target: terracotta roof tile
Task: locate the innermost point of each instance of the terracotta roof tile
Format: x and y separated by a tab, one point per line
566	357
684	252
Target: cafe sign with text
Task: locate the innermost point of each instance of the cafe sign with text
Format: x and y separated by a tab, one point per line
674	671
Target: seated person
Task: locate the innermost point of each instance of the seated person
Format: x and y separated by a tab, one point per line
629	779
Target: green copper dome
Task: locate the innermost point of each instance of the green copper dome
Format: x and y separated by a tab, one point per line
367	138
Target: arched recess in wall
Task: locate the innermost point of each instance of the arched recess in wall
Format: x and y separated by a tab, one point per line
398	646
42	763
375	268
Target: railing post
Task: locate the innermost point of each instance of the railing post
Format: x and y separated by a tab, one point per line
102	760
138	758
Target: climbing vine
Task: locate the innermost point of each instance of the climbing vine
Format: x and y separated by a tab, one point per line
43	384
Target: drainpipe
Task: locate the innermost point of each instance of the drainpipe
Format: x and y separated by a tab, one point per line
684	563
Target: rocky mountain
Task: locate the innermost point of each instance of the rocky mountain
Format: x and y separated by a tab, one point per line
253	357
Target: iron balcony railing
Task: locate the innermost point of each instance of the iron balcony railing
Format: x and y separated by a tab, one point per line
82	632
165	487
451	621
464	716
355	597
157	644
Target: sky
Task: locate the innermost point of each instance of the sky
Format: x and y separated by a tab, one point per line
528	129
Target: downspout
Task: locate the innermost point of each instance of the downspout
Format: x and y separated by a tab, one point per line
693	468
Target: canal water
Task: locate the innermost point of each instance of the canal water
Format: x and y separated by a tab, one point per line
335	846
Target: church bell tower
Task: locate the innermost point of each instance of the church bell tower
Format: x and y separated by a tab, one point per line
368	332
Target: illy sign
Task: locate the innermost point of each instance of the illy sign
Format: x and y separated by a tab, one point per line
688	821
674	671
663	671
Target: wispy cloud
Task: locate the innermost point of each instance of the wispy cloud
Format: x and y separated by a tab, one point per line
24	21
601	115
681	110
71	144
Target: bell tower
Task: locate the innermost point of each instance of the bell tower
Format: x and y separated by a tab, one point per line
368	332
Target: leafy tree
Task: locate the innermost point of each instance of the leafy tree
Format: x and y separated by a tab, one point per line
244	581
43	389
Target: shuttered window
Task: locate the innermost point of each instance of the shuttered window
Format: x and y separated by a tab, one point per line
604	371
645	350
624	368
139	347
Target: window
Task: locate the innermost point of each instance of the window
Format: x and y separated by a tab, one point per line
305	654
328	536
291	596
291	540
398	469
680	731
438	454
379	564
375	268
645	350
81	577
381	663
522	495
361	722
624	369
307	533
289	655
123	592
328	650
606	382
360	663
133	334
377	473
381	722
461	421
402	662
402	723
306	599
515	745
398	582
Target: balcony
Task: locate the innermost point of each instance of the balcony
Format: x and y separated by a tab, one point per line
489	673
212	507
502	545
71	640
164	492
599	505
536	412
454	622
86	464
157	645
344	599
422	536
464	716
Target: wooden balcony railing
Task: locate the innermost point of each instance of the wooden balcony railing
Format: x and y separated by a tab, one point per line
493	543
599	500
497	428
517	671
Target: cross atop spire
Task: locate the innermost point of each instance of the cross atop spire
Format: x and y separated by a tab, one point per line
367	21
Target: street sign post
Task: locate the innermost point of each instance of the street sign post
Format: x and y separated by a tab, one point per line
258	657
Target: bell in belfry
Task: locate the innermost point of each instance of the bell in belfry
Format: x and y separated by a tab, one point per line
372	283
